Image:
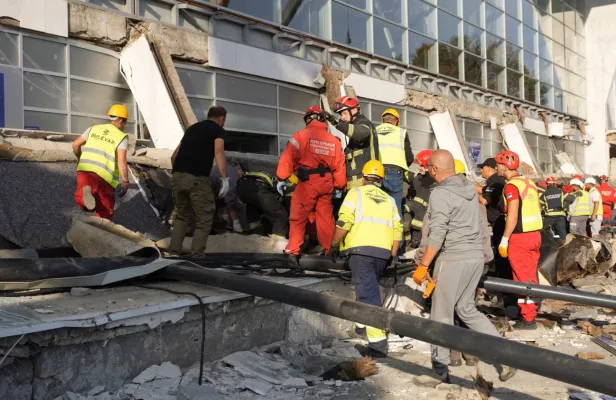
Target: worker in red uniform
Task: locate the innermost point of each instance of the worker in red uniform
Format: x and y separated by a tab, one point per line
316	158
522	237
608	196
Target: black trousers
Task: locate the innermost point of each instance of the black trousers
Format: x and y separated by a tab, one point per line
501	265
558	224
262	202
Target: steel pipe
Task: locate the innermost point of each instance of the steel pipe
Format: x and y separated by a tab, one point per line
587	374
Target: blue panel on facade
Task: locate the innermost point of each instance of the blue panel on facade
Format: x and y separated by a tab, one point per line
1	100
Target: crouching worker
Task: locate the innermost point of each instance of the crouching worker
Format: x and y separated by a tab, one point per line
368	231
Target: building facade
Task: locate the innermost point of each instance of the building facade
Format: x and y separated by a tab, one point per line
532	54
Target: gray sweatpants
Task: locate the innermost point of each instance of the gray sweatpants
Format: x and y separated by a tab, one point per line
577	225
455	291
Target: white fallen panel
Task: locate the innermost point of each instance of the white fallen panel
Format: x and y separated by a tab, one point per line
146	82
567	165
376	89
535	126
516	141
49	16
556	129
447	137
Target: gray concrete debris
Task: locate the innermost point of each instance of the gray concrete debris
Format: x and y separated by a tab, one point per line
258	386
164	371
96	391
250	364
146	376
44	310
294	383
584	314
195	392
80	292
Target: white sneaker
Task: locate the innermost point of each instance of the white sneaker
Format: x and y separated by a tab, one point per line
88	199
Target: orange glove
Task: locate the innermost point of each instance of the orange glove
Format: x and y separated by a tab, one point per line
503	247
420	274
429	288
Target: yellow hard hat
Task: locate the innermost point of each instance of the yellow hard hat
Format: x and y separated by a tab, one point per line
373	168
293	179
391	111
459	167
118	110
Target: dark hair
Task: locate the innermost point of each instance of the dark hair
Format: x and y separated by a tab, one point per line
216	112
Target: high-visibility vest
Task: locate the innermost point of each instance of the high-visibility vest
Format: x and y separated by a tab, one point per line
371	218
358	154
529	214
582	205
260	176
592	206
391	145
98	155
552	202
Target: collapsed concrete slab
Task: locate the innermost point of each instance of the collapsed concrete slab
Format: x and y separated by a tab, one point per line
96	25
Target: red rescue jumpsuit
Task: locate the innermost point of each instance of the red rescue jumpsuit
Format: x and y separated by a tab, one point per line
608	196
309	148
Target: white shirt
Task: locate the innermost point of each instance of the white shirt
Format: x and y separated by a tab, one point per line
594	196
123	144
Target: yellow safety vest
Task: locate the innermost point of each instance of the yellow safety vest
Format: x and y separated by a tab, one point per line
391	145
371	217
592	205
261	176
582	206
98	155
529	216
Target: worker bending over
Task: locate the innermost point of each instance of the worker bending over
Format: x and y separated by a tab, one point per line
419	194
521	240
455	241
101	151
552	203
363	142
370	230
608	197
578	206
316	157
596	206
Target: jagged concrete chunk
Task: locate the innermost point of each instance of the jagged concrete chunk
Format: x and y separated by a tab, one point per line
250	364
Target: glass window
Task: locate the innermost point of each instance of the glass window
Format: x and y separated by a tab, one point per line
472	12
569	16
44	91
421	140
472	39
579	23
496	77
9	49
581	45
530	89
351	27
422	17
44	55
495	49
513	83
388	9
558	32
119	5
196	82
513	31
200	107
543	4
45	121
512	8
154	9
193	20
449	61
473	69
530	39
573	61
530	65
448	29
388	40
263	9
363	4
545	71
250	118
560	78
296	99
529	16
545	47
422	52
246	142
230	87
497	3
309	17
558	52
545	92
495	21
449	5
545	22
513	56
418	121
558	10
79	124
93	65
92	98
291	122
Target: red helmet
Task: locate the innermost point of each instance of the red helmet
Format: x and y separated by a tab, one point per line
604	177
423	157
345	103
508	158
579	177
314	112
543	185
567	189
550	179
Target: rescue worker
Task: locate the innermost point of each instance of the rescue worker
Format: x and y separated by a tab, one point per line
521	240
368	231
316	157
596	207
578	206
258	191
418	195
101	151
228	208
395	153
454	243
608	197
552	203
363	142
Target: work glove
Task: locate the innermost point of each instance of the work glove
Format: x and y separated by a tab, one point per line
281	186
123	189
420	274
331	118
237	226
337	193
503	247
334	251
224	187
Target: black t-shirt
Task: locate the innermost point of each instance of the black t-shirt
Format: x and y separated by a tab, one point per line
493	193
196	154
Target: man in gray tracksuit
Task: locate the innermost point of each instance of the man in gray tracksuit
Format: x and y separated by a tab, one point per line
455	243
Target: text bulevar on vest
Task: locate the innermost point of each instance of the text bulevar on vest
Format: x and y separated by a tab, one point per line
98	155
391	145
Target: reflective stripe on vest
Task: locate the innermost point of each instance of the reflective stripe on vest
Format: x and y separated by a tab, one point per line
391	145
552	201
262	176
592	206
582	205
355	160
530	211
98	155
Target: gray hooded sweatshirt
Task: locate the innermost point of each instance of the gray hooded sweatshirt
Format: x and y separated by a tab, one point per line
455	222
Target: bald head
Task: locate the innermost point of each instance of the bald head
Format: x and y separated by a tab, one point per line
442	165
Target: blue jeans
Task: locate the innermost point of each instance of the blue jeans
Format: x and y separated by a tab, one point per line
393	185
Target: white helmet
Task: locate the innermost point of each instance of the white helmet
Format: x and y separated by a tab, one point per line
576	182
591	181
